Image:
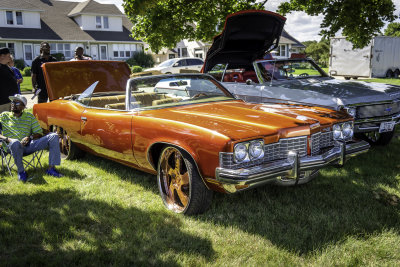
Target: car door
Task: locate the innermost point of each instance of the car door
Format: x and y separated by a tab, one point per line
179	65
108	133
195	64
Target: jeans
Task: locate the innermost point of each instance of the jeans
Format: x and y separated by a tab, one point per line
48	141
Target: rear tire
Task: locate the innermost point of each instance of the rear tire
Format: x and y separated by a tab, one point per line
67	147
389	74
180	185
396	74
376	138
347	78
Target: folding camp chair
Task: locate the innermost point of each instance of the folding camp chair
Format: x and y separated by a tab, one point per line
29	160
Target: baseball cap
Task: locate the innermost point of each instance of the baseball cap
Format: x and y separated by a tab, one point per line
4	51
19	98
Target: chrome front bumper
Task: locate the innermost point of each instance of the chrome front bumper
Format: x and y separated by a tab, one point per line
363	125
290	171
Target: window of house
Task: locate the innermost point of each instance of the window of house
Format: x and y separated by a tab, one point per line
18	15
10	46
184	52
98	22
282	50
9	16
170	56
124	51
64	49
105	22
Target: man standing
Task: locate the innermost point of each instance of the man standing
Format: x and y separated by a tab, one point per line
8	83
37	72
23	134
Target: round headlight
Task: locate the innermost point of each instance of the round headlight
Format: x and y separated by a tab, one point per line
347	130
352	112
337	132
240	152
256	149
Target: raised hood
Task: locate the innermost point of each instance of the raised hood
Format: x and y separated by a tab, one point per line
73	77
247	36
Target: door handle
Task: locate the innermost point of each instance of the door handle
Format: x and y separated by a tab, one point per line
84	118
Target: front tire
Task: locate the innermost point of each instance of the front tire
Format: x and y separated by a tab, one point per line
181	188
376	138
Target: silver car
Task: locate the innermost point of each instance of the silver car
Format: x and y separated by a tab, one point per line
375	106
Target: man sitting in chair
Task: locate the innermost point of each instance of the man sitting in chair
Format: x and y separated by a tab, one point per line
23	134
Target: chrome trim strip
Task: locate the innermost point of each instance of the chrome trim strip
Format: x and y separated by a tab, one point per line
273	172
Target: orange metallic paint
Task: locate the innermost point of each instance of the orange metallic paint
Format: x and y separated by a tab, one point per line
203	130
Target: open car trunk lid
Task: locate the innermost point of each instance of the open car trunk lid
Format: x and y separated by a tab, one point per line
247	36
73	77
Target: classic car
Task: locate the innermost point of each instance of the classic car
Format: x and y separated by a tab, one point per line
237	59
190	131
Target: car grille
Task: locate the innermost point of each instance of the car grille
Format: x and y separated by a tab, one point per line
379	110
281	149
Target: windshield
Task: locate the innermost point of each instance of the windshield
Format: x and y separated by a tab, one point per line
172	90
289	69
167	63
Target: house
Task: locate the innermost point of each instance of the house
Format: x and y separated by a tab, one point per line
101	29
287	45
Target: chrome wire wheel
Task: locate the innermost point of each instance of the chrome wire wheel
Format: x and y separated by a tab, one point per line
181	187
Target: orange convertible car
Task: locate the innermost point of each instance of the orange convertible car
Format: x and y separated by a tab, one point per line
190	131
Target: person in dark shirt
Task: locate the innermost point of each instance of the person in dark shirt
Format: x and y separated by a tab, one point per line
17	73
37	72
8	83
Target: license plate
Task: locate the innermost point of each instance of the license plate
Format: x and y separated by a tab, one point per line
386	126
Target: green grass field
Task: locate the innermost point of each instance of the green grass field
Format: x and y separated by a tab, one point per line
103	213
26	85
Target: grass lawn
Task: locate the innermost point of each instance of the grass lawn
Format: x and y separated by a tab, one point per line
103	213
26	85
382	80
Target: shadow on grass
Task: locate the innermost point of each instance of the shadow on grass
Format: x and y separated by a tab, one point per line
338	204
61	228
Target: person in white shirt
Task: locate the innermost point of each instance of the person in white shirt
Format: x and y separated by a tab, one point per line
79	55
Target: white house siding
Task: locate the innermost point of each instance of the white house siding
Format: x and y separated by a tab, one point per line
88	23
29	19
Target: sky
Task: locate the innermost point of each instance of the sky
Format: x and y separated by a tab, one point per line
298	24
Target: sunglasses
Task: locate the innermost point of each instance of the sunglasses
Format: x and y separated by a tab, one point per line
17	103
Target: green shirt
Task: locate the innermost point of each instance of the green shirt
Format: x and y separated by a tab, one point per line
19	127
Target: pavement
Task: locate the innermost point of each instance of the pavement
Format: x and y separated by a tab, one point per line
29	98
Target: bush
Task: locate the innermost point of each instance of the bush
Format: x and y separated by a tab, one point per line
136	69
19	64
26	71
141	59
59	56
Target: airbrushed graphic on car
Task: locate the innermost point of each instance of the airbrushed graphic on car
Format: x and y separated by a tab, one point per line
236	59
190	131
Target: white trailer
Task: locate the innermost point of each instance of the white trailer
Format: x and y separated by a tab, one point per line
381	58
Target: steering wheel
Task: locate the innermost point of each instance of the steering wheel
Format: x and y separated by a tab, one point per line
199	95
304	74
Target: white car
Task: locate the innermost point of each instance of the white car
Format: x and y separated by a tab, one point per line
179	65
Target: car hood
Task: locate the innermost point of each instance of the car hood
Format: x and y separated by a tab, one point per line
322	92
247	35
239	120
73	77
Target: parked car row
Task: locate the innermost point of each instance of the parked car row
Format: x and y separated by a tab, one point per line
190	130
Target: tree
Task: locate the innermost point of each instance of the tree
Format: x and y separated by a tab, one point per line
393	29
163	23
319	51
359	20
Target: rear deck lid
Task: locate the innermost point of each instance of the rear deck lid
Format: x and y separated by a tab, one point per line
247	35
73	77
